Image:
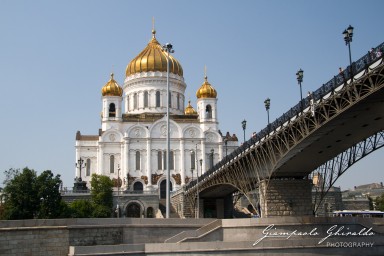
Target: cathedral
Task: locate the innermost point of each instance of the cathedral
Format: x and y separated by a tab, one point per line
131	146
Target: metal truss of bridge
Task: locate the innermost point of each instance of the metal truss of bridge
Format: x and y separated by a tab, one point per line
325	133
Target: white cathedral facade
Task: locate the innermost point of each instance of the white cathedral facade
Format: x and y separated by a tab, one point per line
131	145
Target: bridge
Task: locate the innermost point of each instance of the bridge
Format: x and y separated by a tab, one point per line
311	145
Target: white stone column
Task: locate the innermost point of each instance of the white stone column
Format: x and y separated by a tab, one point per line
101	159
126	157
122	148
149	166
182	162
202	156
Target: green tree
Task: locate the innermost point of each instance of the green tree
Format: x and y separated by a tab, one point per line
30	196
379	201
81	208
48	188
102	196
22	201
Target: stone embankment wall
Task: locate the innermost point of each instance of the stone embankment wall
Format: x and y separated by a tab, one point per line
54	237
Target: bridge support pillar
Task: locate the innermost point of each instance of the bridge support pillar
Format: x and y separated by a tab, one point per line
286	197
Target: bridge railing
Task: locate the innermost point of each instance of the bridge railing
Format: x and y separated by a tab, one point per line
356	67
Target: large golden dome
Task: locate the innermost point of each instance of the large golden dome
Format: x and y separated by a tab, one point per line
189	110
206	90
153	58
111	88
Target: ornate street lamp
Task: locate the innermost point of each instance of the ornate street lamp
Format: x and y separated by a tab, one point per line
267	104
80	164
226	146
168	49
244	125
348	34
300	75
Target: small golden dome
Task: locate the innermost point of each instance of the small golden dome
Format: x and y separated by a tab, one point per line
153	58
111	88
206	90
189	110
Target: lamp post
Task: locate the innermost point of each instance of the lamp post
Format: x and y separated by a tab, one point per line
244	125
197	186
226	146
168	49
80	164
300	75
348	34
118	191
192	169
212	154
267	104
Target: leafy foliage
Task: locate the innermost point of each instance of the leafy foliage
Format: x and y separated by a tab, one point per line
81	208
48	190
102	197
30	196
380	202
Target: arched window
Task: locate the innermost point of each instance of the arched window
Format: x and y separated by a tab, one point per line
88	172
159	160
193	160
112	164
112	110
208	111
171	161
145	99
163	188
137	160
178	101
135	101
138	186
157	99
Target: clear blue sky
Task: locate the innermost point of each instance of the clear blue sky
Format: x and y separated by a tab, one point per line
55	56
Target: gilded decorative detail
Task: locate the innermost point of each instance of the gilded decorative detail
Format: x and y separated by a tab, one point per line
177	178
111	88
145	179
117	182
206	90
153	58
189	110
131	179
155	178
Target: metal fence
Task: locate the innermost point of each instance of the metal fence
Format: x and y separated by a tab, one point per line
356	67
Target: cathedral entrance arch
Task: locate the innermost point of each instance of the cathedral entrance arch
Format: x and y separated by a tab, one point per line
133	210
163	188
